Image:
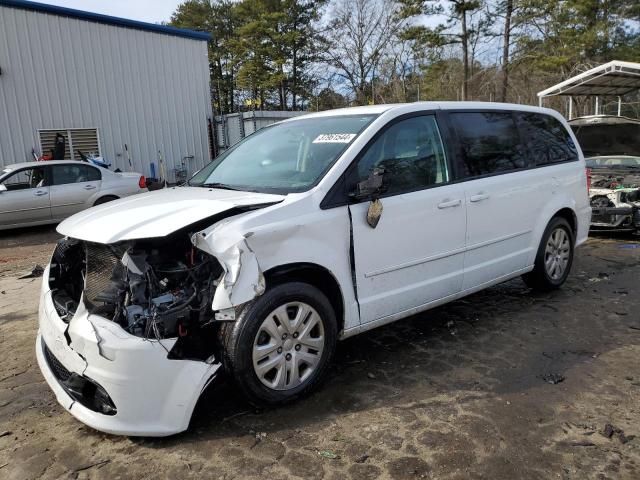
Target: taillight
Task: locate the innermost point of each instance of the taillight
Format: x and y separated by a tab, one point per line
588	179
142	183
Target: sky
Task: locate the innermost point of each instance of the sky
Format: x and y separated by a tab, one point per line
152	11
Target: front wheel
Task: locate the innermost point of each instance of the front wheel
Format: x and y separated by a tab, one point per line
281	345
554	258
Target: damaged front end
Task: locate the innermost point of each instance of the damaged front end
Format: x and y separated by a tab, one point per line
128	306
615	202
127	331
153	289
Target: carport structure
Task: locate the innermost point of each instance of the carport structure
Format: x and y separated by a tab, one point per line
612	79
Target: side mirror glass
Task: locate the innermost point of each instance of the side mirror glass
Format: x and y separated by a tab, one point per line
3	188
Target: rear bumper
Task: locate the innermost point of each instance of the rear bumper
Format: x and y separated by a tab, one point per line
151	395
584	220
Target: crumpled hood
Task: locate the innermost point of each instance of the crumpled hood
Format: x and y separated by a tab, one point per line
156	214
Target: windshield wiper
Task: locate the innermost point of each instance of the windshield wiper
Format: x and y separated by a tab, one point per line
221	186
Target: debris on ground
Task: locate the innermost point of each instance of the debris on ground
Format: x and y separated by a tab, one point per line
553	378
451	325
601	276
36	272
371	376
91	465
5	433
328	454
582	443
607	431
362	458
610	430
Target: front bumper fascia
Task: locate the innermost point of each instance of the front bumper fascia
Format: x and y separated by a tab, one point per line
625	218
153	396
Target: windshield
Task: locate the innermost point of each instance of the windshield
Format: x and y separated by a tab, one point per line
613	162
5	172
284	158
609	140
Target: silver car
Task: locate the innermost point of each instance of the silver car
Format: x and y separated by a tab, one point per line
38	193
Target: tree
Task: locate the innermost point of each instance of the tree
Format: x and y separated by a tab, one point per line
219	18
508	12
303	42
357	38
464	25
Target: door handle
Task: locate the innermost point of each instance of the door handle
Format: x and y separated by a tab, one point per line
479	197
40	193
449	204
89	187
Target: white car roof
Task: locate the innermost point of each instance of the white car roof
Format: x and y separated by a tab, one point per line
16	166
416	106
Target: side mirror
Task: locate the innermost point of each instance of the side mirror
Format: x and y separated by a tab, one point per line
3	188
371	187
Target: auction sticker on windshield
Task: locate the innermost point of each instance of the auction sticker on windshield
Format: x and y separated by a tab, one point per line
334	138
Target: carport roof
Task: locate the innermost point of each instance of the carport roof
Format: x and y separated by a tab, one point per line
105	19
613	78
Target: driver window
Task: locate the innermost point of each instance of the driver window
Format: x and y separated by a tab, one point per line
411	154
25	179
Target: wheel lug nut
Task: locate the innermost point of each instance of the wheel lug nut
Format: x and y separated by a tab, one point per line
279	349
295	335
297	347
284	336
288	356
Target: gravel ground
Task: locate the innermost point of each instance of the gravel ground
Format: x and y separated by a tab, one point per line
503	384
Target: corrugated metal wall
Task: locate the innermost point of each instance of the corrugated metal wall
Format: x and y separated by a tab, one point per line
145	89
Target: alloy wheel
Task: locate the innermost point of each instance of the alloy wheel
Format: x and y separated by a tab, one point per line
557	253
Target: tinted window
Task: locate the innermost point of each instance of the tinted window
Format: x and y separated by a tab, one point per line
490	142
63	174
546	139
411	154
27	178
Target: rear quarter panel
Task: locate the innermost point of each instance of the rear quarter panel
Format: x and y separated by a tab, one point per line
120	185
568	189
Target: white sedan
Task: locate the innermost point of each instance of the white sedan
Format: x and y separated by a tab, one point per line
38	193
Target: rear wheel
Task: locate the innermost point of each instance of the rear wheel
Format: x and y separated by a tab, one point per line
554	258
105	199
282	343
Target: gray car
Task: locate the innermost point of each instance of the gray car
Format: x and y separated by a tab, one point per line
38	193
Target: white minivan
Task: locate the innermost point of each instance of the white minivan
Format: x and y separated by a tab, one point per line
306	232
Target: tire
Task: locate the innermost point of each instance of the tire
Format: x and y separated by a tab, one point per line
259	329
554	258
105	199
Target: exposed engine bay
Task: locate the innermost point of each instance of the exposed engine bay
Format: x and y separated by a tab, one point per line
615	200
153	288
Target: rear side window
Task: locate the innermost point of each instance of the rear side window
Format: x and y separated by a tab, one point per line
546	139
490	142
70	173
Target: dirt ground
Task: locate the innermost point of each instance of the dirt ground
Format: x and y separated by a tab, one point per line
504	384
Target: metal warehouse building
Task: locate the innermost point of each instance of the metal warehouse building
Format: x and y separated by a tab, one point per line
103	83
